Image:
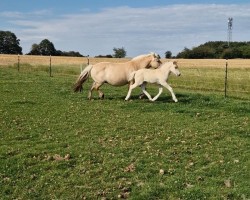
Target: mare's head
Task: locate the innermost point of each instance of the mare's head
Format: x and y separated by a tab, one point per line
155	60
148	61
174	68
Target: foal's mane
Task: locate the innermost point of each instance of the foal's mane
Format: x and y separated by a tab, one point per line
168	63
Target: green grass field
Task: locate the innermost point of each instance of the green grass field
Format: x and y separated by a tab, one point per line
55	144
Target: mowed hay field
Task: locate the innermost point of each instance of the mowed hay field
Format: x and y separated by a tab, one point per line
56	144
6	60
56	60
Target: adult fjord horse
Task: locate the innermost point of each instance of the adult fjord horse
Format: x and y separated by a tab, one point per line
116	74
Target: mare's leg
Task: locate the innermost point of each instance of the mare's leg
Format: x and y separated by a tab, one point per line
96	86
90	91
142	95
101	94
159	93
170	90
143	87
131	87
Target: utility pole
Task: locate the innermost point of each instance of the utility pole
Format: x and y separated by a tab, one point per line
229	30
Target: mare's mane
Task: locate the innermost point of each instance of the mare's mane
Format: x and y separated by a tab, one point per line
143	56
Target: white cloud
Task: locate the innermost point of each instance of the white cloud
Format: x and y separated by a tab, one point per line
8	14
20	15
138	30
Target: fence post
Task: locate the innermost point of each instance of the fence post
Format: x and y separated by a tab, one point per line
18	62
225	89
50	66
81	68
88	63
88	59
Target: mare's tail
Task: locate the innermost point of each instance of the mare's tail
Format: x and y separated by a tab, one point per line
82	78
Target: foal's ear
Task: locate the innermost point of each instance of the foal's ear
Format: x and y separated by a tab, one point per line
175	62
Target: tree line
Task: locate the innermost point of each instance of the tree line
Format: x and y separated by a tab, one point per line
217	49
10	44
45	47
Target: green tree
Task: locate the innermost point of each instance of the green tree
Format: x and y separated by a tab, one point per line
232	53
119	52
168	54
34	50
184	53
202	52
47	48
245	51
70	53
9	44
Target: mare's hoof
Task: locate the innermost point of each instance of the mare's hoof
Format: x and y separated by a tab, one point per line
101	96
141	96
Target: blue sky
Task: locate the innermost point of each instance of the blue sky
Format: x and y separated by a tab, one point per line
140	26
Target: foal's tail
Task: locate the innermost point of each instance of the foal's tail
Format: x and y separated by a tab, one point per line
131	77
82	78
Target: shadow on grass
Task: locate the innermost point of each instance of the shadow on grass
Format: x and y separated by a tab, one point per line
182	98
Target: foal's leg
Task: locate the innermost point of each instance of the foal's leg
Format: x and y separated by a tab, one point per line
131	87
170	90
159	93
143	87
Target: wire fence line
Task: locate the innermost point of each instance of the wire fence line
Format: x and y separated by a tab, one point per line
220	82
227	77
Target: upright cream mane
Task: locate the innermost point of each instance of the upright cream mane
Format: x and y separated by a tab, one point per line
142	56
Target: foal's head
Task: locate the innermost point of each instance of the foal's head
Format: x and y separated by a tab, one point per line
174	68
